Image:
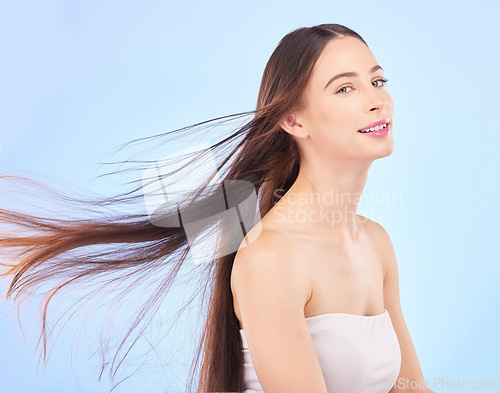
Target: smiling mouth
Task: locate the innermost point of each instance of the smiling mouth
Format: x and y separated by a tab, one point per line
376	128
376	125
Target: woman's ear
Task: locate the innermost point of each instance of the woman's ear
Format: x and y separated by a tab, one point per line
291	125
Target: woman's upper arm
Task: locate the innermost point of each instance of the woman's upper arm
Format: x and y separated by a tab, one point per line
271	296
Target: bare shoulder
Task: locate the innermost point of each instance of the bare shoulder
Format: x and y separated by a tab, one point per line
373	227
270	243
382	241
267	266
270	293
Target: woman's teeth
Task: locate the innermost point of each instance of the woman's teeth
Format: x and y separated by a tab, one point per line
376	128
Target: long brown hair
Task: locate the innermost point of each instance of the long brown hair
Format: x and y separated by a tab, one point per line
48	256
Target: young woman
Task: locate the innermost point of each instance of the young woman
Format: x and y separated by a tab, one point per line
309	301
317	293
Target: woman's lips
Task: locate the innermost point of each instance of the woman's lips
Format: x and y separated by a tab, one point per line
386	121
378	134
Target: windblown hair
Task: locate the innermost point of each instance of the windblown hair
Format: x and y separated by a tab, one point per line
46	256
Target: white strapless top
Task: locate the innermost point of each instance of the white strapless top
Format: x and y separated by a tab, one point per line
357	353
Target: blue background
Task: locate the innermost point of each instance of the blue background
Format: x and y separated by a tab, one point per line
79	79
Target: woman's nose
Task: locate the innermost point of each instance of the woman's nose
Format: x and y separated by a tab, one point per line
377	102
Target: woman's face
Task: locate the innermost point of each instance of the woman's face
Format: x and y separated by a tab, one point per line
334	110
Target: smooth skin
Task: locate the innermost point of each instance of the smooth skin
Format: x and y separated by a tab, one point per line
314	255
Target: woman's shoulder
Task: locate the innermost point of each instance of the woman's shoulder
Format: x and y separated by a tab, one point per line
375	229
265	243
268	258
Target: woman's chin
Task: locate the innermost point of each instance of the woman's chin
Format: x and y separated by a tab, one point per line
383	151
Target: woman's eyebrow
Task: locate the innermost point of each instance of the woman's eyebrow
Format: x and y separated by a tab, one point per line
350	73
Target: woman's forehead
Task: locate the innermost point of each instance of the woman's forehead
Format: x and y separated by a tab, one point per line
346	54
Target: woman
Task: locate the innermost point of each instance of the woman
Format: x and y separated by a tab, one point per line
309	300
317	293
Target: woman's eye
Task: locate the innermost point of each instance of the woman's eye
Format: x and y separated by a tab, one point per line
383	80
342	89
